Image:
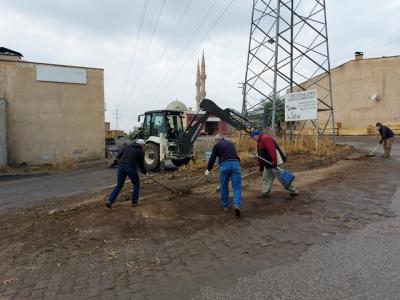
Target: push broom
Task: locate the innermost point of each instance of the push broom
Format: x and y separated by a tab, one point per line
287	177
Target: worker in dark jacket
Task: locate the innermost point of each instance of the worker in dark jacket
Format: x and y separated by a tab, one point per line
269	150
229	166
387	138
130	158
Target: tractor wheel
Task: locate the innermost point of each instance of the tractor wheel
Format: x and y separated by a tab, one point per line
181	162
152	157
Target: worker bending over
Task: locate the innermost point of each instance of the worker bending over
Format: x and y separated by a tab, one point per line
229	168
387	138
269	150
130	158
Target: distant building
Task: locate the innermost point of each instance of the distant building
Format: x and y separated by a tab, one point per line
365	91
54	113
213	125
177	105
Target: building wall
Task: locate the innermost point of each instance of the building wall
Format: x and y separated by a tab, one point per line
353	85
222	127
52	122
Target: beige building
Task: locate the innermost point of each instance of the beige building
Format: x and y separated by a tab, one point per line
54	113
365	91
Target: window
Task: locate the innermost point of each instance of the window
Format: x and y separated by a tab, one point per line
146	126
158	126
175	122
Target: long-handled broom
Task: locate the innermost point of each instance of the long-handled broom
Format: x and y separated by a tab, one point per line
372	153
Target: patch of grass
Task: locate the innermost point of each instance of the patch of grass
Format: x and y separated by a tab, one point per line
303	145
243	143
46	168
298	149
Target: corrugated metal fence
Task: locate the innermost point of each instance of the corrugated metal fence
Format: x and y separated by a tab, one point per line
3	131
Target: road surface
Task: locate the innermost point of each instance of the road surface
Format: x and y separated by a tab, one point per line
365	144
364	265
27	192
338	240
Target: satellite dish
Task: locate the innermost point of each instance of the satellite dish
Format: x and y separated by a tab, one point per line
375	97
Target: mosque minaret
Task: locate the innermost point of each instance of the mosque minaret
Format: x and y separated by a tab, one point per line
201	81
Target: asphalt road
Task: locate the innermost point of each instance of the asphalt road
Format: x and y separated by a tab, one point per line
366	144
27	192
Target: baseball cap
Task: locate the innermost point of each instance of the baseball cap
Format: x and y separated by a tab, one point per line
254	133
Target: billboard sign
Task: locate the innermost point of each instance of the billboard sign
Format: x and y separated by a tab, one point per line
60	74
301	106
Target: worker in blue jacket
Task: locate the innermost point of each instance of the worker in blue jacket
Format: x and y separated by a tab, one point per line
130	159
229	166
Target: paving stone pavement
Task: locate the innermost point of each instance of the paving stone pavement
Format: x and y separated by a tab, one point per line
174	263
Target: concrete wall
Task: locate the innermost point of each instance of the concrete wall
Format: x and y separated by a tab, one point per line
3	134
52	122
353	85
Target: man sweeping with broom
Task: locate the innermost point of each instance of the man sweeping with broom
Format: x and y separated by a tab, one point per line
387	138
270	157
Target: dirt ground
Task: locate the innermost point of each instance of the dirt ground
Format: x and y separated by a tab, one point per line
83	250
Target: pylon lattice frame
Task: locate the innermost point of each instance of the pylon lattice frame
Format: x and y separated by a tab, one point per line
288	51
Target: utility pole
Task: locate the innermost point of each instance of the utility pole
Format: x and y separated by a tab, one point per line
288	52
116	119
274	91
242	86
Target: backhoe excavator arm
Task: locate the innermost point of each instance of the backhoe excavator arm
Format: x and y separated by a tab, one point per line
228	115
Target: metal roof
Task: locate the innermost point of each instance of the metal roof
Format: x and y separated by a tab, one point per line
7	51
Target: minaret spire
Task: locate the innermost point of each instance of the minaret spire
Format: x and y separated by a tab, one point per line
203	77
198	84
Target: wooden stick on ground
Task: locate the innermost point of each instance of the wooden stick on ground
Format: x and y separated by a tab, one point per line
163	185
197	181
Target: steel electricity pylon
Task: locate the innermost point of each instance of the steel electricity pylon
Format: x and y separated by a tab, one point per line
288	52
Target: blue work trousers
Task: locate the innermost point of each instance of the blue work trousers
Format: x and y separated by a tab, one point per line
122	172
230	169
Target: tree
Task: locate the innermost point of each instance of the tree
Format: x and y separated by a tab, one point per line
280	111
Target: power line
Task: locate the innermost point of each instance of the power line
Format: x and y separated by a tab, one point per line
197	46
147	49
189	41
172	35
133	53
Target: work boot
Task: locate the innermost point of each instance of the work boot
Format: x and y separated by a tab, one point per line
293	195
107	203
264	195
134	204
237	212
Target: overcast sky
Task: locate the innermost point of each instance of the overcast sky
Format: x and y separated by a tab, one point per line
148	70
